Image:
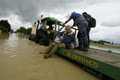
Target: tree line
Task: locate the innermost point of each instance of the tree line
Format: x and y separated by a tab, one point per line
102	42
24	30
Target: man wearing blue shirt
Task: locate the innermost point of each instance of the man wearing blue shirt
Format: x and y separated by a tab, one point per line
82	25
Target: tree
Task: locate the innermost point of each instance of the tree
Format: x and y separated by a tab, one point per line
6	24
29	30
4	29
22	30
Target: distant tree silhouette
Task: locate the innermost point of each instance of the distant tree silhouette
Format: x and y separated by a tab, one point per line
24	30
5	26
101	42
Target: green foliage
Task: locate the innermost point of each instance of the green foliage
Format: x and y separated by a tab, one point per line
4	29
24	30
28	30
102	42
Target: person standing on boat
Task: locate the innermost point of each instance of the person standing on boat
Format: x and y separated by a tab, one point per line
65	39
91	24
82	25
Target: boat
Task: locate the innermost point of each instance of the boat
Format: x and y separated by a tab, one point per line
104	64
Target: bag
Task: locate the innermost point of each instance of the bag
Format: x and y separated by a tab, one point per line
57	40
91	21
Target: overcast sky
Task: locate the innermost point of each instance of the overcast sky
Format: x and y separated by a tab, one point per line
25	12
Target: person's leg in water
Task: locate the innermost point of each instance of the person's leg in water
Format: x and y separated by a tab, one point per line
54	50
49	48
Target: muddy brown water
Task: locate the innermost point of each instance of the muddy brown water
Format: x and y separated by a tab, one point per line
20	60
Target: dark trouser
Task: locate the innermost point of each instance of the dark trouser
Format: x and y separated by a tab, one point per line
88	34
83	39
82	36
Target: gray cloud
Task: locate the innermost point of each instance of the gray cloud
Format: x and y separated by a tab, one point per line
24	12
29	9
111	24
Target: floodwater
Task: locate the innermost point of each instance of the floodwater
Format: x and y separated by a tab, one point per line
20	60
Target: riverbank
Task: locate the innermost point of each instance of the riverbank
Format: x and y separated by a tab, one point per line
105	45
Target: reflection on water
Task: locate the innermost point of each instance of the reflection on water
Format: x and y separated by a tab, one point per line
4	36
20	60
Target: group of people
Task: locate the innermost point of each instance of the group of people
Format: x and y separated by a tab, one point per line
66	39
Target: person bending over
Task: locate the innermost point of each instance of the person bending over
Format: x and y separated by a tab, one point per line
82	25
